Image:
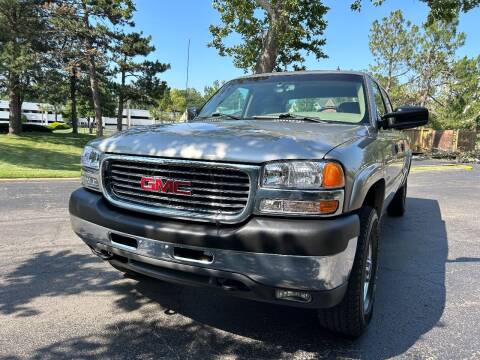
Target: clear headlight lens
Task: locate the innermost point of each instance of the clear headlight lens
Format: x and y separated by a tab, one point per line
303	175
325	178
91	158
90	167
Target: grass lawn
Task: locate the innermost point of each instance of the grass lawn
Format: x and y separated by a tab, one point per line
41	155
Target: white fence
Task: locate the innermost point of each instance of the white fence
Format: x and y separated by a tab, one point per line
35	113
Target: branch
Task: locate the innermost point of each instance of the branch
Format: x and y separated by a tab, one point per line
438	102
266	5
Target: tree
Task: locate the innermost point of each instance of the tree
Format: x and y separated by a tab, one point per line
448	86
209	91
434	56
392	43
87	21
446	10
460	101
146	85
275	33
23	41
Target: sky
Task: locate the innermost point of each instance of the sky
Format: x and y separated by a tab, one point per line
172	23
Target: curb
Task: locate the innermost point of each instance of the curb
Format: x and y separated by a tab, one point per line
441	167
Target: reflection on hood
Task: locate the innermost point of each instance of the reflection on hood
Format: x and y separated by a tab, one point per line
244	141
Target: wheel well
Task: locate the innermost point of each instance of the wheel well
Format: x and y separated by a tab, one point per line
375	196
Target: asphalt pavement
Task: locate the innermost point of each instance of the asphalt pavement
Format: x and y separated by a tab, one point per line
58	301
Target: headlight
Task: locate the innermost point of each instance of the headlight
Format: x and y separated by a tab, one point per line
91	158
90	167
301	188
303	175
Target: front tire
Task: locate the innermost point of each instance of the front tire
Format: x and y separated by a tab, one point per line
352	316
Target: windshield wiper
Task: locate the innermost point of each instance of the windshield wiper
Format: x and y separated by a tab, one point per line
290	116
219	114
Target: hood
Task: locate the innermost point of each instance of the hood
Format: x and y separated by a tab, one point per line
241	141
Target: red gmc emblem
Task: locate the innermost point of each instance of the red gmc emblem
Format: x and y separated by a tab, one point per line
165	185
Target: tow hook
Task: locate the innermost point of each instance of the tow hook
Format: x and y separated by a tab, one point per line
102	254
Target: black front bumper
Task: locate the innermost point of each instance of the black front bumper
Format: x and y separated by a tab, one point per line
271	235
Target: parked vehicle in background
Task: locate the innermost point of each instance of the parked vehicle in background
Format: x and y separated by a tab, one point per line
273	192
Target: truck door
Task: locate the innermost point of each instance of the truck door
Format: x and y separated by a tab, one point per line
399	147
387	143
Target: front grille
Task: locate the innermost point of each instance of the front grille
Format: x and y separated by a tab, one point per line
216	190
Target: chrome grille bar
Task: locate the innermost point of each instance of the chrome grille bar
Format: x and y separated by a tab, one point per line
182	178
219	192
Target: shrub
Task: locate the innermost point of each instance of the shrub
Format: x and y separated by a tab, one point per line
26	128
59	126
35	128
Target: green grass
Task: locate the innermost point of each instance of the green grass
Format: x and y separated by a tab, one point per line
41	155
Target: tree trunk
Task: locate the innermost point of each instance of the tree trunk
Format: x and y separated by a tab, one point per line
268	57
73	100
120	103
92	74
15	105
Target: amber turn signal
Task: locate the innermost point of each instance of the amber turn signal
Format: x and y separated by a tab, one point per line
333	176
328	206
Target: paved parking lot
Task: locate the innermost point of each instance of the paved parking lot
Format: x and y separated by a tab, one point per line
59	301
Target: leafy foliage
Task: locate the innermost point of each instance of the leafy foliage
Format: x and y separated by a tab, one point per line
146	86
275	34
418	65
446	10
23	51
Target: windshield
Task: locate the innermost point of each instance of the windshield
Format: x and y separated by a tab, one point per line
326	97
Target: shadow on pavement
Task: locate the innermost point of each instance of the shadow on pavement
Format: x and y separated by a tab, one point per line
203	324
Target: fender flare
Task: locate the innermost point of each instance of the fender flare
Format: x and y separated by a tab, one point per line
364	180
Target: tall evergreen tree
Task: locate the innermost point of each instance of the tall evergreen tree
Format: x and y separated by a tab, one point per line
86	21
145	85
23	43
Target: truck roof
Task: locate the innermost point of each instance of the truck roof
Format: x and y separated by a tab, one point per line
303	72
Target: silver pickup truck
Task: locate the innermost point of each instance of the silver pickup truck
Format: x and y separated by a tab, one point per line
273	191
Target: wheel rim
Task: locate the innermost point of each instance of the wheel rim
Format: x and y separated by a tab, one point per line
367	284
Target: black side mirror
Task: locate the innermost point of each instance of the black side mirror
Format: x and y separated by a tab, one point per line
405	117
192	113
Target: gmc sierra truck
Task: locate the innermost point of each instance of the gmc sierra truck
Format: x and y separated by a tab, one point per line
273	191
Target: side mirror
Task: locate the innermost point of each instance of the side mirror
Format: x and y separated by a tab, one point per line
405	117
192	113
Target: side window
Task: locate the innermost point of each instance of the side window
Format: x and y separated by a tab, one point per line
378	99
233	103
387	101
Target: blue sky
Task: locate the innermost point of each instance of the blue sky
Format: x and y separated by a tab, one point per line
172	23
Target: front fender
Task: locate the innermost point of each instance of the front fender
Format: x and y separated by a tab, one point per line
363	181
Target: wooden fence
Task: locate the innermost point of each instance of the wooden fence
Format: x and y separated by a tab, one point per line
429	140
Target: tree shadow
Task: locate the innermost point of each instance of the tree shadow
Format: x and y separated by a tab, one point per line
204	324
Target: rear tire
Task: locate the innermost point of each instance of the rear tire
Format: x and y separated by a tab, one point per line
352	316
397	206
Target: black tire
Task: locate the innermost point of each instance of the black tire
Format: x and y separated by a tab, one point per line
352	316
397	206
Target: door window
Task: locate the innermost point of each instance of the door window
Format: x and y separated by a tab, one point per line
378	100
387	101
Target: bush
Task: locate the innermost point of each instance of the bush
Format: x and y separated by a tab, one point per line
58	126
35	128
26	128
